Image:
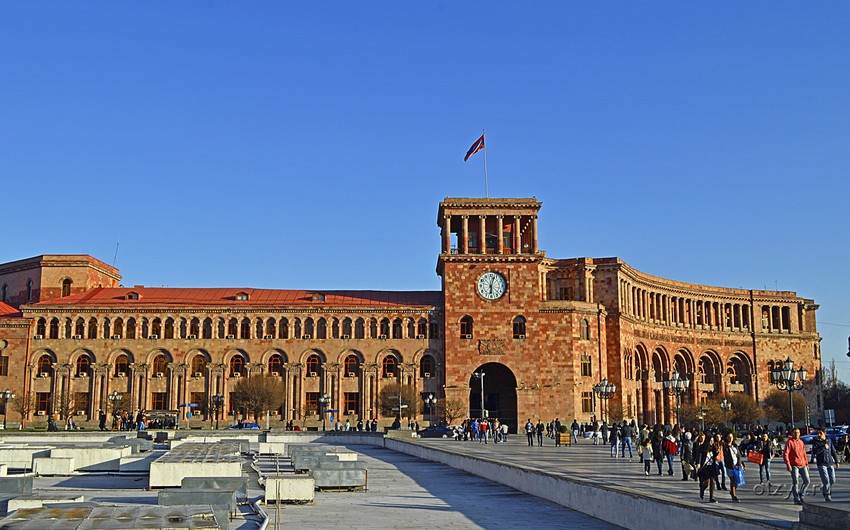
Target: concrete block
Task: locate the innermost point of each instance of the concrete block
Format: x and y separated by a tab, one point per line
239	484
37	501
340	475
272	448
4	470
20	457
290	488
137	463
16	484
170	474
138	445
105	457
49	466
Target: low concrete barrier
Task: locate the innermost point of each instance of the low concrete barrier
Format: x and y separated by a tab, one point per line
183	497
137	464
614	505
37	501
22	457
16	485
272	448
331	474
290	488
307	460
50	466
105	457
326	437
238	484
4	470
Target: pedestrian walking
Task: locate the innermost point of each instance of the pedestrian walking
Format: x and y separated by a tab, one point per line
628	433
646	455
504	429
615	441
707	454
540	429
733	463
765	449
556	426
686	455
671	449
826	458
529	432
658	450
797	464
575	430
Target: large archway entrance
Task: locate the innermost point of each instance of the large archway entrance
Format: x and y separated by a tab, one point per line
499	390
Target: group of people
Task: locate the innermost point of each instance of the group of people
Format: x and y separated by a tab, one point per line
482	430
551	429
715	460
123	421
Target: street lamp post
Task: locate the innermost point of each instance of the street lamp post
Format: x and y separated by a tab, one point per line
785	377
324	400
218	402
480	376
430	400
725	406
604	391
677	386
6	396
114	398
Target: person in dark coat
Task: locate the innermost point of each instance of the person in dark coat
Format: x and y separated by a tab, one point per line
707	467
686	449
826	458
658	449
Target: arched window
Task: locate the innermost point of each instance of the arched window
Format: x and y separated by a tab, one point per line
41	327
321	329
199	365
156	327
426	366
347	328
308	328
208	328
276	364
160	364
351	366
82	366
422	328
80	327
314	365
92	331
54	328
66	287
245	329
45	365
283	326
585	329
237	363
271	326
385	327
169	328
131	328
466	327
359	329
232	326
397	329
122	366
519	327
389	366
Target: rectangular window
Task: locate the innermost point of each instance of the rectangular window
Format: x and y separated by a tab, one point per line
311	403
586	402
4	365
42	401
81	401
586	368
158	400
352	400
201	399
472	240
563	293
506	241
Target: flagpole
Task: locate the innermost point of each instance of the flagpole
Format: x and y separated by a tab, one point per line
486	185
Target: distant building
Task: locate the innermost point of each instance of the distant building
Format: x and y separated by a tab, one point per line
543	332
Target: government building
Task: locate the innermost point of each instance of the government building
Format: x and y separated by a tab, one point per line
530	334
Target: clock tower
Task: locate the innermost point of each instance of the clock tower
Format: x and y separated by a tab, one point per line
491	268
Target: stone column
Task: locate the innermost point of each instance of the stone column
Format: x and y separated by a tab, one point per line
482	234
464	236
447	234
516	235
499	229
534	234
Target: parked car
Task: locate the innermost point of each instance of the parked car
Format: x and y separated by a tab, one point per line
437	431
243	425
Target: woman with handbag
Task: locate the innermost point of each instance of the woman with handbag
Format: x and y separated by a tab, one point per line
765	449
734	465
707	468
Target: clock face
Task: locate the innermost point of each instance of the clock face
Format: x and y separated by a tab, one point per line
492	285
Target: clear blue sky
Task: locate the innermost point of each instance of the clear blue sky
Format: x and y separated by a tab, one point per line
272	144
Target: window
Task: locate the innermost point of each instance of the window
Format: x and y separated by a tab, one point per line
389	366
422	328
5	289
237	363
466	327
434	330
275	364
199	364
351	365
586	402
92	329
311	403
519	327
122	365
426	366
359	329
66	287
158	400
245	329
347	328
201	399
4	365
314	364
321	329
45	366
81	402
29	290
54	328
82	366
397	329
585	329
586	367
160	364
242	297
169	328
385	327
352	399
131	328
42	401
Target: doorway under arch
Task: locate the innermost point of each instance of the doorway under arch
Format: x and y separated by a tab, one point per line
499	394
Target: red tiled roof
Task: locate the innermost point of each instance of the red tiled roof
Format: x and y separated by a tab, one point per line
217	297
8	311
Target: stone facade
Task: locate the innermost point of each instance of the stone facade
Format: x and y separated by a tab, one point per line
556	330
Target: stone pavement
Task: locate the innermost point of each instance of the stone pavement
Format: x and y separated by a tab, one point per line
407	492
769	505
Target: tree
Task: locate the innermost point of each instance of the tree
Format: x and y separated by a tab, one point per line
776	406
259	394
65	405
744	409
615	412
23	405
451	409
690	415
393	393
